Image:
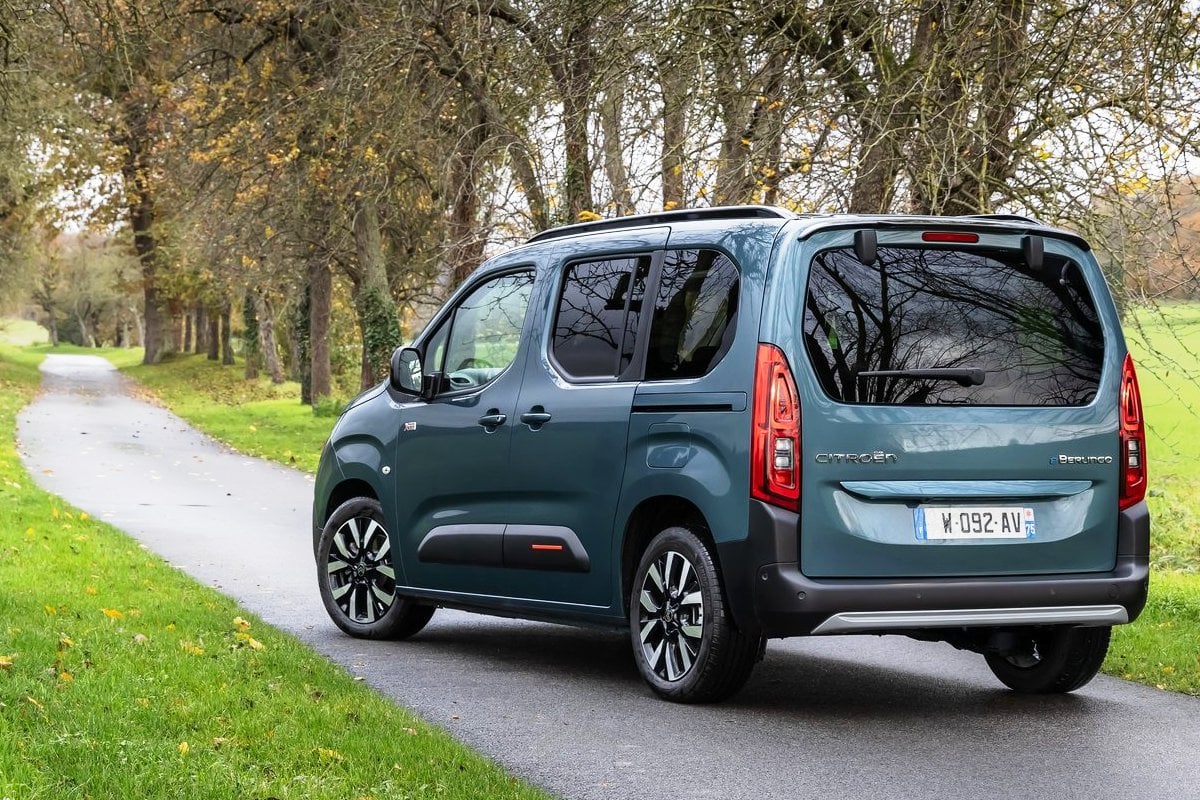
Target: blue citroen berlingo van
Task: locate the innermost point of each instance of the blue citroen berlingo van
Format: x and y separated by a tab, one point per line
720	426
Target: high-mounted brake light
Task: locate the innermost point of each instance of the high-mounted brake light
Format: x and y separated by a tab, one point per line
948	236
1133	438
775	449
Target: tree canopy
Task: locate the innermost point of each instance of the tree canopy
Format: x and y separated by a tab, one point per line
333	167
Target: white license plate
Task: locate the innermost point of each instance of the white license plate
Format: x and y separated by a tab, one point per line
974	522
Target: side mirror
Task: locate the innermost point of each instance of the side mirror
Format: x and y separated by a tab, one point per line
406	375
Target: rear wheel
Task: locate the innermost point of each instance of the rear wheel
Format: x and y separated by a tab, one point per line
684	640
357	575
1052	660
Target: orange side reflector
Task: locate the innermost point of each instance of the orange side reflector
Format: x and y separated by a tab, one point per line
545	547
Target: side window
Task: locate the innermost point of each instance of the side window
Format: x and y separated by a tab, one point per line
694	314
598	310
484	332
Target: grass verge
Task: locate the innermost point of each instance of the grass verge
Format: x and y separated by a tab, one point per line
121	677
1166	345
1162	648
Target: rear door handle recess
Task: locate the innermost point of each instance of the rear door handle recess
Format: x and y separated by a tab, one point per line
535	417
492	420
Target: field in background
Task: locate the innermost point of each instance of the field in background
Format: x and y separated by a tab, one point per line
1165	344
21	332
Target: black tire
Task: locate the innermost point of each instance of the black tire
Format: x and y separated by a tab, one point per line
1052	660
684	641
357	577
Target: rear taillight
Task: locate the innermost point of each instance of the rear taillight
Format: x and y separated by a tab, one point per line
775	450
1133	439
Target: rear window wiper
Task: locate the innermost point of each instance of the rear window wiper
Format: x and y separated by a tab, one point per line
963	376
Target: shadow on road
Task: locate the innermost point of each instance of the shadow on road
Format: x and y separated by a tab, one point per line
804	678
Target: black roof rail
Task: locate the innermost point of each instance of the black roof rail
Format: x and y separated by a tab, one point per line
664	218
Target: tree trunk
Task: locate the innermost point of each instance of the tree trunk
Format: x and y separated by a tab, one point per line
173	313
376	310
140	207
187	332
86	339
578	178
320	310
673	84
302	341
875	177
614	158
266	338
734	182
466	240
137	322
251	354
226	334
201	328
214	337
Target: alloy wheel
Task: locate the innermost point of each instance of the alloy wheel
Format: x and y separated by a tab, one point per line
671	616
362	579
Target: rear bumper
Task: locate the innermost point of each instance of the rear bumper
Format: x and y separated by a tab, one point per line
785	602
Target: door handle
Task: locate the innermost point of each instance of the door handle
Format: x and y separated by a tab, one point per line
535	417
492	420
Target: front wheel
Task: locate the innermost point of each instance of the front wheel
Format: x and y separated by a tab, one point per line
1052	660
357	575
684	640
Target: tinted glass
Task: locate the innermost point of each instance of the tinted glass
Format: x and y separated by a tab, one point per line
598	312
485	331
1035	337
693	314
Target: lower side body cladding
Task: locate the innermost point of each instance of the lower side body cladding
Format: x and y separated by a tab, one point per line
781	601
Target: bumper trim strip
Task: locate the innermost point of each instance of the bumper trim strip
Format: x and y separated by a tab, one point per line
859	621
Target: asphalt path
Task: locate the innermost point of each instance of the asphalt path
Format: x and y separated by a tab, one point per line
836	717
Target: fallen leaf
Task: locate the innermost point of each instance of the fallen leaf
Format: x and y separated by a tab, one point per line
112	613
65	676
183	748
328	754
91	590
191	649
65	641
140	638
241	624
6	662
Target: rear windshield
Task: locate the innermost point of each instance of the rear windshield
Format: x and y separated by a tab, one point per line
952	327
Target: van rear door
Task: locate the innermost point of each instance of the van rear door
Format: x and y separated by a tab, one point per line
959	408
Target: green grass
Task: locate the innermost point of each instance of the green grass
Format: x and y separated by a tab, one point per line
1166	347
121	677
1163	647
21	332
